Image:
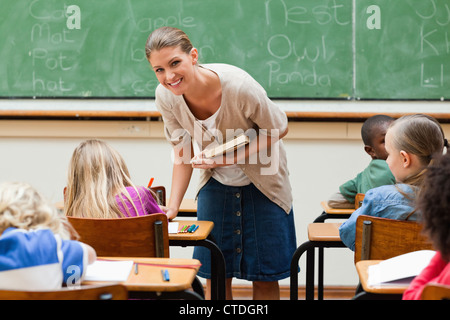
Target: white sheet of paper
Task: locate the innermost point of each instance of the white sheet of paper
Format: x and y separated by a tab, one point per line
399	270
109	270
173	227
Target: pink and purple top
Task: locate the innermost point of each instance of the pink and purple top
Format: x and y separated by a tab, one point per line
148	205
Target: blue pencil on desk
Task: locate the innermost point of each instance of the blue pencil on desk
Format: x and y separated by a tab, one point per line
196	227
165	275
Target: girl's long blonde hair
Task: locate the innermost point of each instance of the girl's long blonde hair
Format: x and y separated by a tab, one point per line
23	207
421	135
97	173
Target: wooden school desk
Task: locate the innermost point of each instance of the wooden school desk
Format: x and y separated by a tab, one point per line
320	235
149	283
188	208
332	213
383	292
202	237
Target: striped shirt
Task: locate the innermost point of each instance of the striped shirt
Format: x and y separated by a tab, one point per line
39	260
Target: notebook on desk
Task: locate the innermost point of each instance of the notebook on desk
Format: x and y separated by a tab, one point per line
399	270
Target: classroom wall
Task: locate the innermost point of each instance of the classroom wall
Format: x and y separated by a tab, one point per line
321	155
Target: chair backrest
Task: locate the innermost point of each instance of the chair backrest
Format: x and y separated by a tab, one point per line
160	192
143	236
358	200
94	292
434	291
381	238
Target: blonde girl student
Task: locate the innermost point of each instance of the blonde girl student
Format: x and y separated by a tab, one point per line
36	247
246	193
412	143
99	185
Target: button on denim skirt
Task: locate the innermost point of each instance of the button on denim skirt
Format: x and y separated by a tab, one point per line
256	236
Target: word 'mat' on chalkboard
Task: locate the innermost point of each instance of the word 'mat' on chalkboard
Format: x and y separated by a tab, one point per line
338	49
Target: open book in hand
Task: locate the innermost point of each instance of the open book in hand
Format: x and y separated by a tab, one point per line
231	145
399	270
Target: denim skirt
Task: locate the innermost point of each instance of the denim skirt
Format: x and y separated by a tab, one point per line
256	236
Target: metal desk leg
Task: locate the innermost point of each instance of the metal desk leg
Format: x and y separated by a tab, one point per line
309	248
320	275
294	269
310	273
217	264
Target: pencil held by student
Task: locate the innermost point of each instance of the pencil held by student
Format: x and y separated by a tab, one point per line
99	185
37	246
434	203
377	173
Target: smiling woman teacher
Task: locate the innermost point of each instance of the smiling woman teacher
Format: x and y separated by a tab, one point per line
246	194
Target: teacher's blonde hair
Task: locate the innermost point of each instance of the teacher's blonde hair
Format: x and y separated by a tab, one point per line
167	37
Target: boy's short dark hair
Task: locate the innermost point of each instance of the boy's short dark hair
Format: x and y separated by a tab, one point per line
370	124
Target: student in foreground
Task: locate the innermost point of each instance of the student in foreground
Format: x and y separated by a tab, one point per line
250	205
434	204
36	250
99	185
377	173
412	144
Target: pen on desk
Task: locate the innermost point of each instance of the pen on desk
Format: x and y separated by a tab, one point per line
165	274
196	227
191	228
135	268
150	183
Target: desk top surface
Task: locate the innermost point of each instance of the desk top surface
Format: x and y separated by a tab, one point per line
188	205
362	268
324	232
203	231
330	210
149	278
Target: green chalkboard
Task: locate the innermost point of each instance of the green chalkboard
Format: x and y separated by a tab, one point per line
294	49
338	49
402	49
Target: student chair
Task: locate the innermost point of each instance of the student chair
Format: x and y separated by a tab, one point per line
160	194
143	236
359	198
434	291
381	238
87	292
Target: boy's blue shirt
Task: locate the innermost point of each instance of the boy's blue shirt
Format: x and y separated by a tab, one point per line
386	202
39	260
